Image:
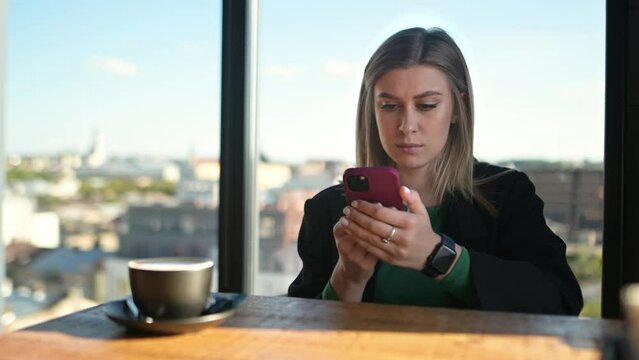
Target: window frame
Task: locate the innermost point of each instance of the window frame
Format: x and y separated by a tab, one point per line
239	220
620	174
238	155
3	57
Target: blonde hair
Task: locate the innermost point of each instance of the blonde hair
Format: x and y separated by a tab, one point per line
453	168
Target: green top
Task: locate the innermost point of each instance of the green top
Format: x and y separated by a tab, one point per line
398	285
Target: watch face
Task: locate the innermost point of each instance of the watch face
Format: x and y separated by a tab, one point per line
443	259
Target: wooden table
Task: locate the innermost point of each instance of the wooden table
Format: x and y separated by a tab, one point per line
287	328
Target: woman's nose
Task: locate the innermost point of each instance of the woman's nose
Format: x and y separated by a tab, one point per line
408	122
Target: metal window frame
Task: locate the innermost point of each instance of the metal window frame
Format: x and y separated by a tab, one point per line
238	159
621	186
613	159
238	155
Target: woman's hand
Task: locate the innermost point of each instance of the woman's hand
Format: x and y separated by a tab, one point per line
354	267
412	240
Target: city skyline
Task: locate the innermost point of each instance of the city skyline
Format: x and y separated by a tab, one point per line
147	74
86	153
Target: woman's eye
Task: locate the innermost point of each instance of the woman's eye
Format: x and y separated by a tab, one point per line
389	106
426	106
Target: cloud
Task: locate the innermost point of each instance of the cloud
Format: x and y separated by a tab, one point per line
343	68
115	66
283	71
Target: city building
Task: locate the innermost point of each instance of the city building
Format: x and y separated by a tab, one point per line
157	230
573	199
206	169
271	175
97	155
22	223
132	168
198	192
270	240
71	268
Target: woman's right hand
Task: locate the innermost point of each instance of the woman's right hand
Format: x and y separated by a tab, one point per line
354	267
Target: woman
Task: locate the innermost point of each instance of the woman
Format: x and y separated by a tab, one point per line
474	235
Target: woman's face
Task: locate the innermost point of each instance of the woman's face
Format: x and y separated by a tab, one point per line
413	111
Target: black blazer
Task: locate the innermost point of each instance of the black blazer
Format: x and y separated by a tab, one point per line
516	262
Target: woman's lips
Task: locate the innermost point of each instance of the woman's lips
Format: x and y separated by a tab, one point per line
409	148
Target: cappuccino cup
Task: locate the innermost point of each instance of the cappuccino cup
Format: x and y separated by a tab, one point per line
171	287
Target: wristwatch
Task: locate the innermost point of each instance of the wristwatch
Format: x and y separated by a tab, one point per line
442	257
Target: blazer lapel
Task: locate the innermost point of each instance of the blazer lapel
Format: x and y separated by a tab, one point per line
463	222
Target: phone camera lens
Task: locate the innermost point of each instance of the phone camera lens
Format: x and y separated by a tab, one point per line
357	183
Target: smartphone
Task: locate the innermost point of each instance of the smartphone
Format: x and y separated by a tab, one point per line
373	184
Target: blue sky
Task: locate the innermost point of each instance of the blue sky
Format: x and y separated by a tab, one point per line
147	74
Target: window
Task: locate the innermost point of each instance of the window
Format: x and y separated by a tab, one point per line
538	76
112	141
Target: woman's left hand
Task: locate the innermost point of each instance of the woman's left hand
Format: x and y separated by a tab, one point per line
412	239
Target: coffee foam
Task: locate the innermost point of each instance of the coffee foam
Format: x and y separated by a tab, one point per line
171	264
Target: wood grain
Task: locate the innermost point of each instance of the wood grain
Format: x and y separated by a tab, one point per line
287	328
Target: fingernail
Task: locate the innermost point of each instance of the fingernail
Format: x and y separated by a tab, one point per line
346	211
354	204
406	189
344	221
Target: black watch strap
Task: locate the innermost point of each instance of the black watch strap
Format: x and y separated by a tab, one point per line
442	257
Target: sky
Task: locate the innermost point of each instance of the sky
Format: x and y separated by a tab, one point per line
146	73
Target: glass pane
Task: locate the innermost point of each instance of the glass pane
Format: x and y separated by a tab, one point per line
538	76
112	142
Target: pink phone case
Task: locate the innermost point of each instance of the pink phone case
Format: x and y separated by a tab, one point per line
382	185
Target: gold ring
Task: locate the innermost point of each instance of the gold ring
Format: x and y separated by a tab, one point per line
392	233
